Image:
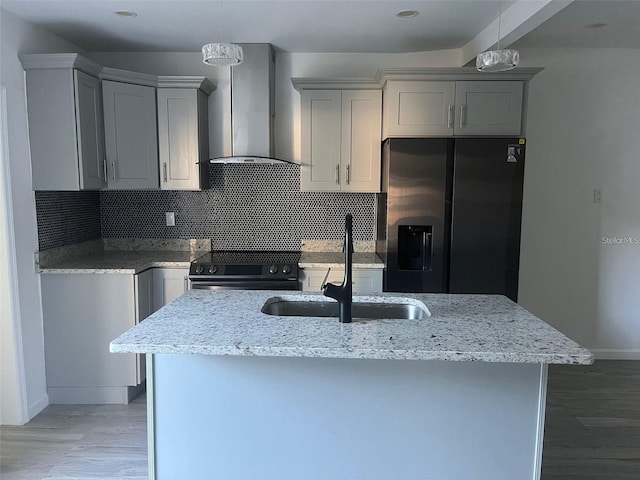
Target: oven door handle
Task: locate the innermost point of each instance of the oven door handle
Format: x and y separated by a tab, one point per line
235	285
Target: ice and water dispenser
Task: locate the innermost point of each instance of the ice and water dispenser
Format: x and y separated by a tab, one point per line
415	247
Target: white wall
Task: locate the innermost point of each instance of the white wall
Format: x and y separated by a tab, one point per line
12	388
582	133
18	37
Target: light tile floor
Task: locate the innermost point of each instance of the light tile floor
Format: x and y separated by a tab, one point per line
592	432
69	442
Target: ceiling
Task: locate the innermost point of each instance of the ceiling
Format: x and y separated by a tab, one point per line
332	26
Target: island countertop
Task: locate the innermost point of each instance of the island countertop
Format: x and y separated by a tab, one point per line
488	328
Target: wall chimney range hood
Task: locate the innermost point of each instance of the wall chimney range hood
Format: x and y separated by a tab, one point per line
253	108
249	161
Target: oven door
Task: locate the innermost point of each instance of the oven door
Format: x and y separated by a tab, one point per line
244	285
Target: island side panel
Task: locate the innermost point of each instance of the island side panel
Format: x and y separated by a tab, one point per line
311	418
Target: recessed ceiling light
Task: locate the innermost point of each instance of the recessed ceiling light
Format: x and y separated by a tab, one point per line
407	13
595	25
126	13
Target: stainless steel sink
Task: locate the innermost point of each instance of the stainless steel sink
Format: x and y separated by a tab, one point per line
295	307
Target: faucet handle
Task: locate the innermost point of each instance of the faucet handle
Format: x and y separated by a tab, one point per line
324	281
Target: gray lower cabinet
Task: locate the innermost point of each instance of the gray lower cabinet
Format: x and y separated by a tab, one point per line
82	313
365	280
131	136
66	134
168	284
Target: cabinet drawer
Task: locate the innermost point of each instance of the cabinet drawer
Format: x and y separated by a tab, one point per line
364	280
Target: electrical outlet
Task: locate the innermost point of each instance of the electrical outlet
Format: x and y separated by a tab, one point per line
597	195
171	219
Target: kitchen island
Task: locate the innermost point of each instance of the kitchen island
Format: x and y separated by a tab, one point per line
236	393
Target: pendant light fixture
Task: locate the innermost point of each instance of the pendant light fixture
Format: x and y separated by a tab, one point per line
498	60
222	54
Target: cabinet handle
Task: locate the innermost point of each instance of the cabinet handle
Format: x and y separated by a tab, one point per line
450	117
113	169
164	172
186	283
461	116
348	174
338	174
104	168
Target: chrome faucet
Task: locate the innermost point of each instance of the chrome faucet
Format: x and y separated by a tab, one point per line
344	293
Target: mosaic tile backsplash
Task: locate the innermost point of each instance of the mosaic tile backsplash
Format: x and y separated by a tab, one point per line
247	207
65	218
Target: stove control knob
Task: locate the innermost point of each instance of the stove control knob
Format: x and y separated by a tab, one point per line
273	269
213	269
286	269
199	269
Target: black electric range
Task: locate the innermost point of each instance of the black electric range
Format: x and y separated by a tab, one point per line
245	270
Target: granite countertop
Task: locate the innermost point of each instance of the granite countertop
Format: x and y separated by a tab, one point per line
336	260
121	261
136	261
489	328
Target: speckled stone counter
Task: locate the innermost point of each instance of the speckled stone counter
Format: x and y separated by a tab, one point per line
116	261
336	260
487	328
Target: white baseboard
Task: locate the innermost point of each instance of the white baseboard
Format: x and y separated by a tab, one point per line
36	407
93	395
611	354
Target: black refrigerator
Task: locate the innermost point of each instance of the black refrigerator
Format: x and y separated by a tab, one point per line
449	215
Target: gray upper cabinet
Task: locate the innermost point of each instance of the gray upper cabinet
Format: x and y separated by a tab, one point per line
183	137
341	140
425	108
130	135
64	104
488	108
418	108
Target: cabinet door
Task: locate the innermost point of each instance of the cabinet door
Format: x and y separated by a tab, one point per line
82	313
89	130
178	138
364	280
488	108
130	135
168	284
320	118
64	136
361	141
418	108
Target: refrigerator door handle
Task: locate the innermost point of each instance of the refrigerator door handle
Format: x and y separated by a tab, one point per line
450	117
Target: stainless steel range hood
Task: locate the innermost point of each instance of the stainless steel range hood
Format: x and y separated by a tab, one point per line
253	107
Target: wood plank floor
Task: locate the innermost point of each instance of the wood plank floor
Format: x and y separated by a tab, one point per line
592	432
592	428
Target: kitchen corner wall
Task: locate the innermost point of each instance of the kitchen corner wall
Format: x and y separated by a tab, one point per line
247	207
